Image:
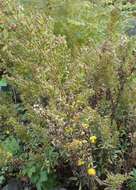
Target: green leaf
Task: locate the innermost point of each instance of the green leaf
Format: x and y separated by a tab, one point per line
11	145
39	186
3	83
31	171
43	176
35	178
2	179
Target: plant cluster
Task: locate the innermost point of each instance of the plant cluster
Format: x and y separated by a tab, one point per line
68	80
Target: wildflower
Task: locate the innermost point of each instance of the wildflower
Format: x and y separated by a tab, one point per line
93	139
80	162
91	171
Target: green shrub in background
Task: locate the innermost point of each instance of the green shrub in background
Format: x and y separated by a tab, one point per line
115	181
74	69
132	182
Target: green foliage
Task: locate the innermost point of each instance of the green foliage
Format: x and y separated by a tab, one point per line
40	177
132	182
3	83
74	69
11	145
2	179
38	169
73	21
115	181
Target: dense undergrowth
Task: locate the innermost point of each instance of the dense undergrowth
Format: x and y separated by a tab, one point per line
67	94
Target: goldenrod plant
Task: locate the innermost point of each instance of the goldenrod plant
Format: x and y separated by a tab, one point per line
70	76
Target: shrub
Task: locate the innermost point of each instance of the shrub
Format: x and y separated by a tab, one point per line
132	182
77	90
115	181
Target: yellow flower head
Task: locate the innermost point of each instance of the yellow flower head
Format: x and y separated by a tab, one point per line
91	171
93	139
80	162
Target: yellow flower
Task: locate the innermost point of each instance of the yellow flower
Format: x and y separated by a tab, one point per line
80	162
93	139
91	171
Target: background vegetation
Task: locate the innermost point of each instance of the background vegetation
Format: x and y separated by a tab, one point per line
67	94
